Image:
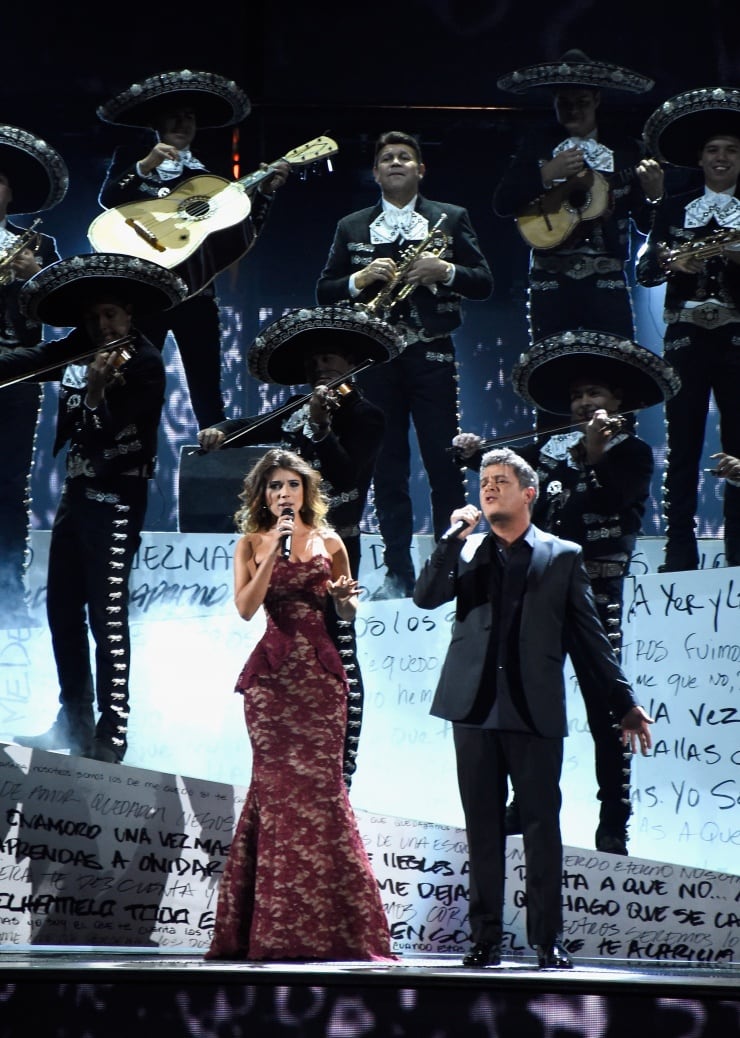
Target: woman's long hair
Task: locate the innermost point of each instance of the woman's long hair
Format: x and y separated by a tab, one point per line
254	515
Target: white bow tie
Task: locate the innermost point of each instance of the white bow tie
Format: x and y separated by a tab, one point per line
399	220
724	208
171	168
597	156
559	445
395	223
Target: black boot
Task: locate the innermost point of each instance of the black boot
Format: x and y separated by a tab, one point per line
63	735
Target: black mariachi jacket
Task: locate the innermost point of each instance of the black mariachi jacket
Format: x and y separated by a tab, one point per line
608	234
119	436
15	329
599	506
719	278
219	249
437	313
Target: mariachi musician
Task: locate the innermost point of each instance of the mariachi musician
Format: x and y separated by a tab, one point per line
109	408
420	385
33	179
692	249
173	106
575	165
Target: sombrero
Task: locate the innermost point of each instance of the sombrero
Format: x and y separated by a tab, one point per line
280	351
215	100
60	293
37	174
678	130
574	69
544	374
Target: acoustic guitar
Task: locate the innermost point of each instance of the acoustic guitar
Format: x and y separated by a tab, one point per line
550	219
171	230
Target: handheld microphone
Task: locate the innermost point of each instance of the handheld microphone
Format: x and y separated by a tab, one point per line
453	531
286	539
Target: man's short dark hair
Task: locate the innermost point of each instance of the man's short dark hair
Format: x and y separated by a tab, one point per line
397	137
525	474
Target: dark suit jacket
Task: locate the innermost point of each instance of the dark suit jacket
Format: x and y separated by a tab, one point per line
437	313
558	610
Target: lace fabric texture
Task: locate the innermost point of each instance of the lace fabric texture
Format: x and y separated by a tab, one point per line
297	883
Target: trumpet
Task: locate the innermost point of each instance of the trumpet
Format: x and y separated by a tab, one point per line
397	289
13	249
700	248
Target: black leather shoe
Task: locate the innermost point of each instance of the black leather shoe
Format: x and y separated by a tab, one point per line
483	953
611	843
102	751
553	957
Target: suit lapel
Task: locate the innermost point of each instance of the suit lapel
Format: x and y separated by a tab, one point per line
541	555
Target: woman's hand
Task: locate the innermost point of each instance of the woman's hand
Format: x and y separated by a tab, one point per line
344	591
343	588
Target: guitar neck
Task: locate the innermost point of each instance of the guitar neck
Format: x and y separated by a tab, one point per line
319	148
252	180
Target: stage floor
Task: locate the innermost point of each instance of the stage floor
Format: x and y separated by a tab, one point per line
410	970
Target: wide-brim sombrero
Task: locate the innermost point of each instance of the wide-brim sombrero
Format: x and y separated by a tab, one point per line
215	100
677	131
575	69
36	172
280	351
544	374
60	294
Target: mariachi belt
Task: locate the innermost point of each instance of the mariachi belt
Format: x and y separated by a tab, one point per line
577	266
705	315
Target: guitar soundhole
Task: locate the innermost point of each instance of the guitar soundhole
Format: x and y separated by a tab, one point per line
577	201
195	208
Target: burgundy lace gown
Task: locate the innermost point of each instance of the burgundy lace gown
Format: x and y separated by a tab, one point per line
297	883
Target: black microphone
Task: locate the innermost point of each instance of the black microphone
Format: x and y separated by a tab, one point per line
453	531
286	539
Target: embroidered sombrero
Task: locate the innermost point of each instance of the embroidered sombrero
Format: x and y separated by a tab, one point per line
544	374
574	69
37	174
216	101
60	293
677	131
280	351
